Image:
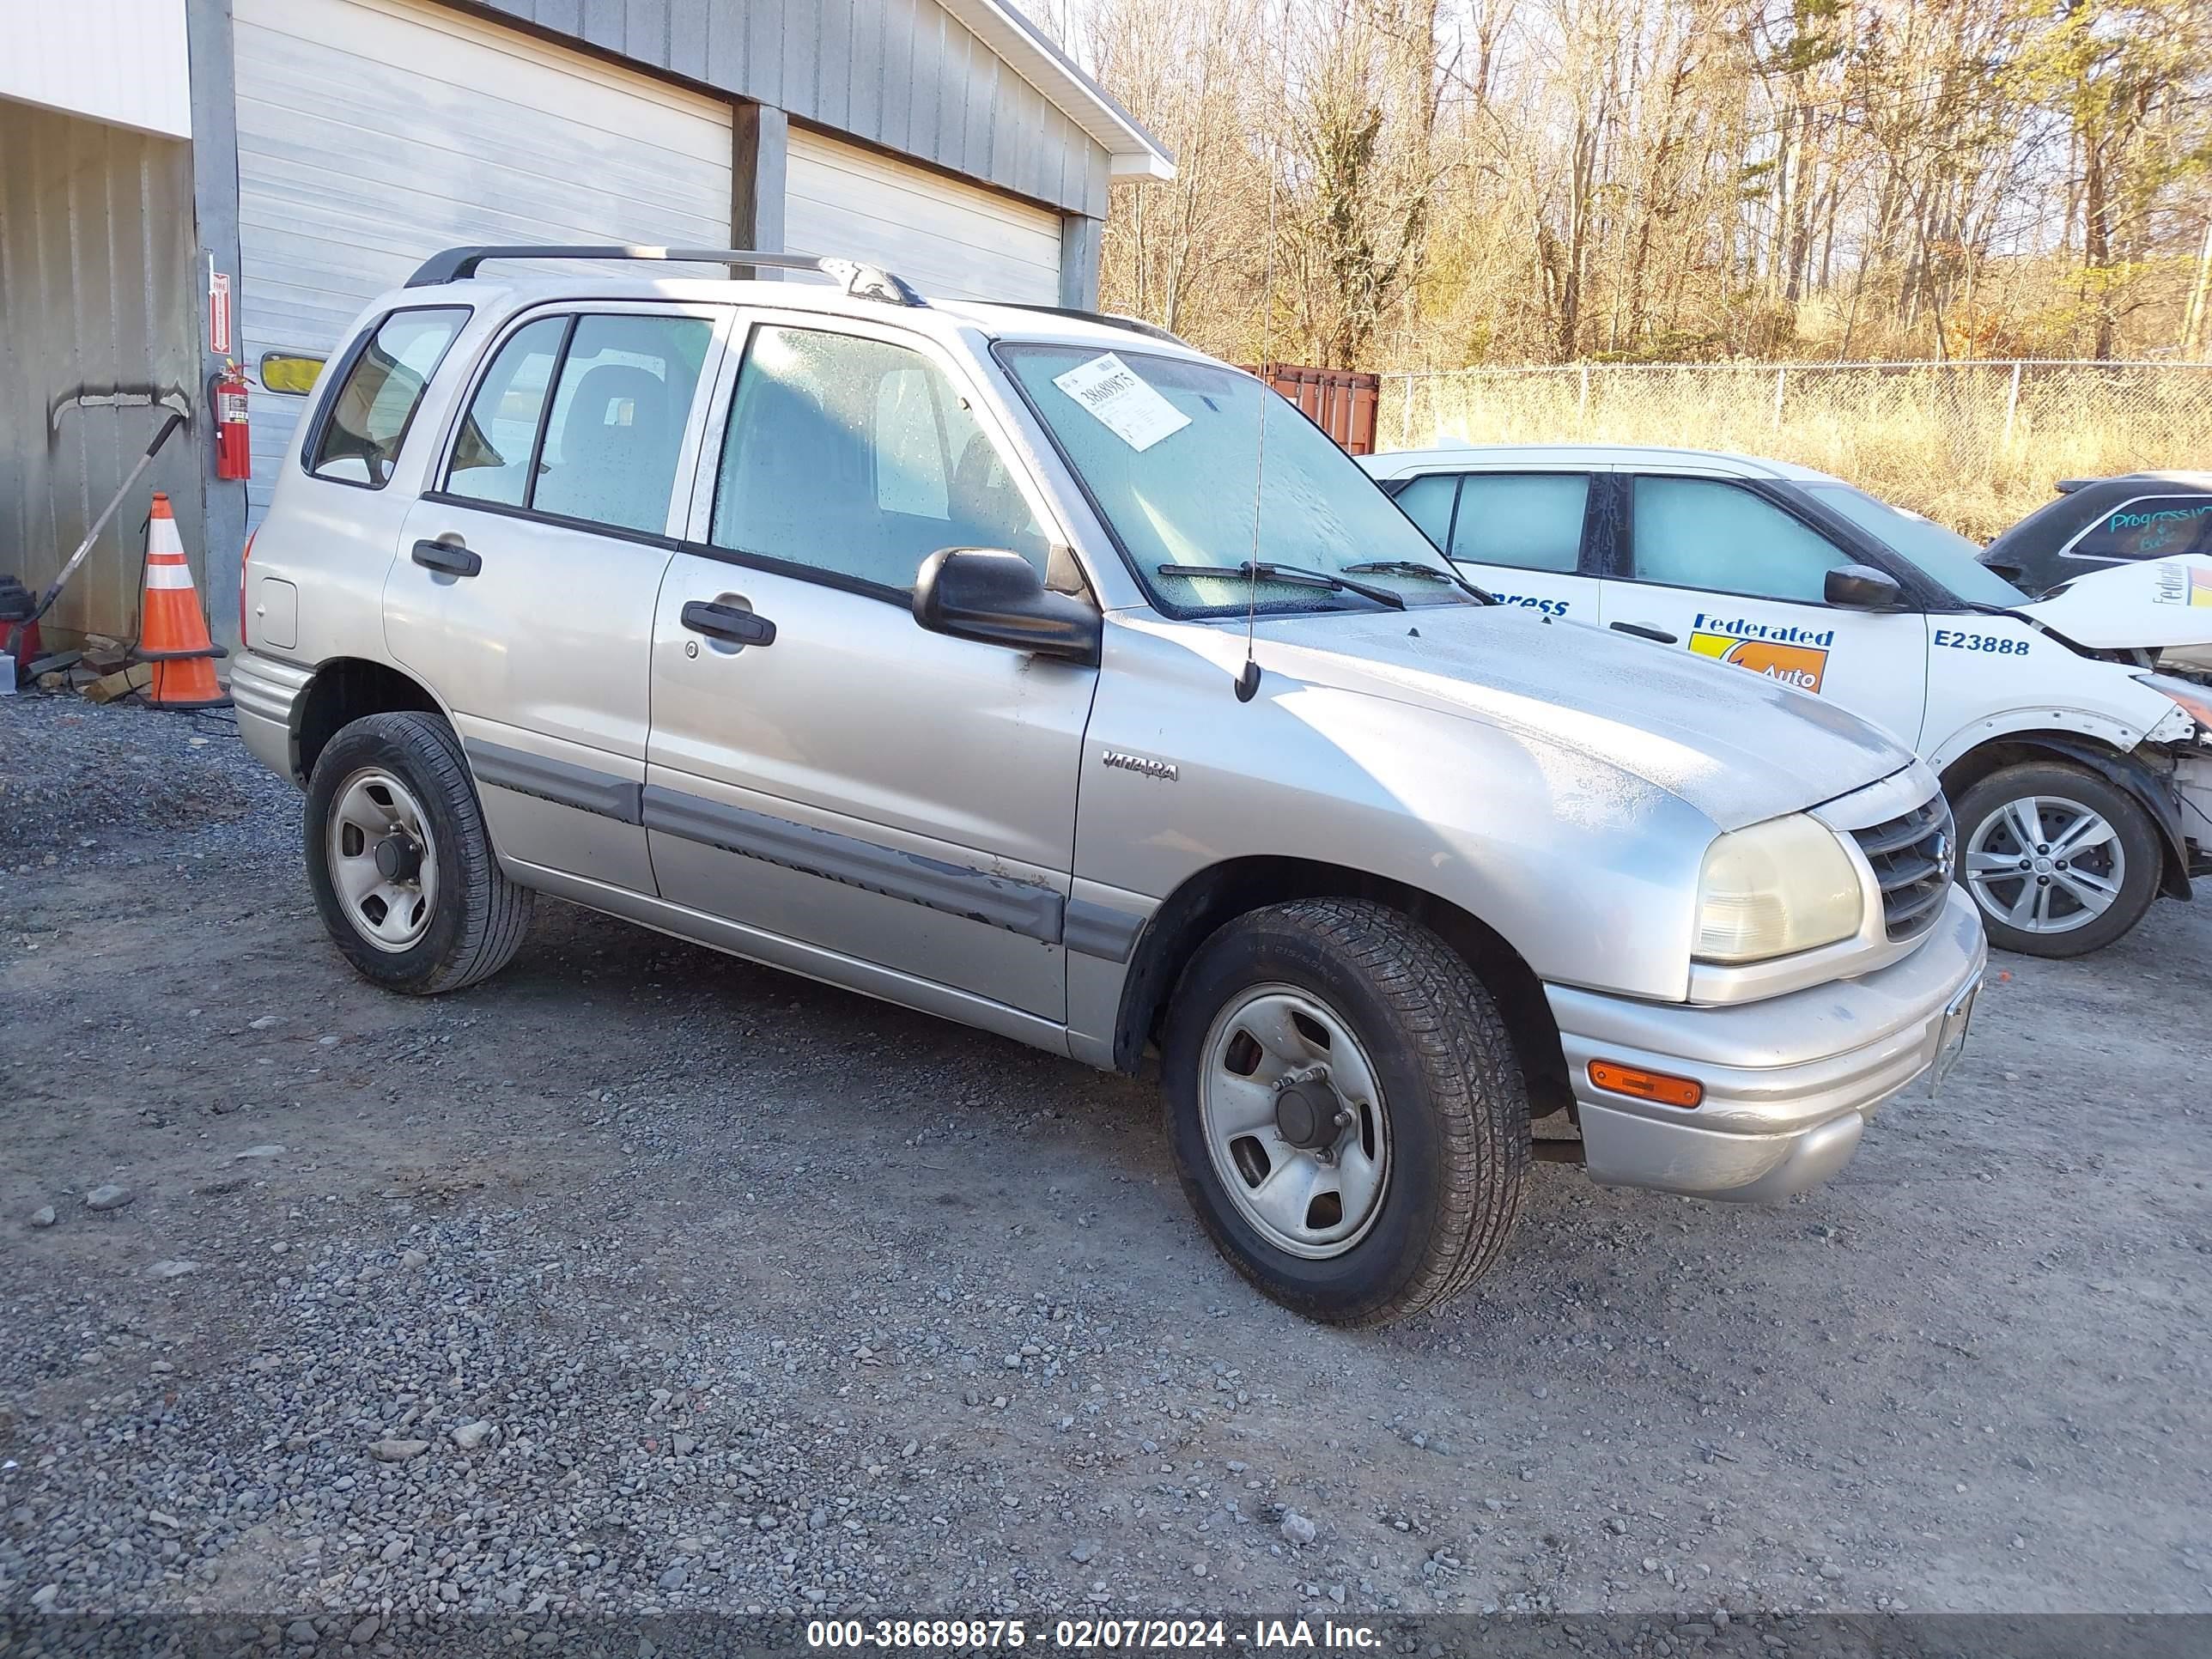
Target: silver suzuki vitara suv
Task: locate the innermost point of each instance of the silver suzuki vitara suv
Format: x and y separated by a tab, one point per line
1033	669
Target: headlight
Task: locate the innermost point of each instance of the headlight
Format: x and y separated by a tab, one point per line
2195	700
1775	889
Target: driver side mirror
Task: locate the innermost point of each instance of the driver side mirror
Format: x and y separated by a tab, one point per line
997	598
1862	588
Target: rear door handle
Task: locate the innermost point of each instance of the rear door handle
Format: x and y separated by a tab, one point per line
451	557
728	623
1659	635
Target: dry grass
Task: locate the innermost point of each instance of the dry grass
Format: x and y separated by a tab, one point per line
1931	438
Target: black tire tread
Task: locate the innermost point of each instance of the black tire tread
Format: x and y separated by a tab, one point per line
2146	854
494	911
1474	1078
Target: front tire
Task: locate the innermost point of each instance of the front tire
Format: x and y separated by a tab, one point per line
2060	861
1347	1115
403	869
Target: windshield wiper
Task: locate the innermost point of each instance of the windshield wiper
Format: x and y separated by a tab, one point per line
1296	575
1427	572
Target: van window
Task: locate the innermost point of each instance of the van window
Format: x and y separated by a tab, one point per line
367	417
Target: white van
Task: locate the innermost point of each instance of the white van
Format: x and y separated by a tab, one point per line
2070	731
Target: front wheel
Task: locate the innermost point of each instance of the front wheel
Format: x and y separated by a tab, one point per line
2060	860
402	868
1347	1115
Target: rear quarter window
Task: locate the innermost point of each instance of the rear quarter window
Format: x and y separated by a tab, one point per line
2149	527
360	432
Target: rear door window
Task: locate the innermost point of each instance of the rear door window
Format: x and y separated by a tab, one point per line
1427	500
1525	520
619	409
2149	527
582	418
368	416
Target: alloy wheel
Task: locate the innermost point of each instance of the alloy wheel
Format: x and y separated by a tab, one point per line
2044	864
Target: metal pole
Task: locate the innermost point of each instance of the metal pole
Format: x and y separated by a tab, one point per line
1581	404
2012	401
1781	378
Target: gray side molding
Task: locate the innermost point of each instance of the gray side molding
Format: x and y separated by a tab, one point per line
996	901
562	782
1098	930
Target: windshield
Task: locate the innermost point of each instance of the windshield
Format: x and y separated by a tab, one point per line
1944	555
1168	449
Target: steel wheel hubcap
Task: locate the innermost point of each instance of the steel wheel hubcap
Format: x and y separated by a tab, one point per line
2045	865
1294	1121
384	866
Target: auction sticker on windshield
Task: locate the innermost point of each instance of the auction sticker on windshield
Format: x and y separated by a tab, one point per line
1111	389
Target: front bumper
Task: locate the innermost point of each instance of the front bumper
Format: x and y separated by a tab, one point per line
1789	1082
266	695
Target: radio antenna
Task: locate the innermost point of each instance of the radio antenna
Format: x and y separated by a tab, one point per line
1248	678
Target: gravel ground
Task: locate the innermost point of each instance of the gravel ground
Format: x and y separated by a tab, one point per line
641	1278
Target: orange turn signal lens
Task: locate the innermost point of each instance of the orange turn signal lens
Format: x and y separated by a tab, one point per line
1646	1085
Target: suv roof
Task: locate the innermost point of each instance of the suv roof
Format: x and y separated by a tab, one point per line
1716	461
861	287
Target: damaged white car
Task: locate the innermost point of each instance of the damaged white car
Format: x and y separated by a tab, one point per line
2073	732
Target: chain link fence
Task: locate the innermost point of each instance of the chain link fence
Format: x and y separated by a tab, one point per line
1974	445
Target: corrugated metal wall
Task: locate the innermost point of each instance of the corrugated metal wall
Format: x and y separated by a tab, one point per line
96	290
899	73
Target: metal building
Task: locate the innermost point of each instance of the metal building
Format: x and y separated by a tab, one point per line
186	180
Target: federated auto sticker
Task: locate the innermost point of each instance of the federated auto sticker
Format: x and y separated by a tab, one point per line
1794	656
2182	584
1131	410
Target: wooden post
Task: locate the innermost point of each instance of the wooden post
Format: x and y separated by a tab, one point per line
1781	379
1582	405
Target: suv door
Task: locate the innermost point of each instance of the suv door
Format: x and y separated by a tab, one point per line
820	767
1724	570
524	590
1522	536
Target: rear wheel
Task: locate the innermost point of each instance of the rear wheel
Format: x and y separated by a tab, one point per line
2060	861
1347	1113
402	870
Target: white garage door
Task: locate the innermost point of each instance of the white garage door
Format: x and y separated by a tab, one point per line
372	133
944	237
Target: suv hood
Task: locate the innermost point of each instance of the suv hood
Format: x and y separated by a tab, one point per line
1738	747
2153	603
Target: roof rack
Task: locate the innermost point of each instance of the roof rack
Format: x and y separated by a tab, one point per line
1114	319
862	282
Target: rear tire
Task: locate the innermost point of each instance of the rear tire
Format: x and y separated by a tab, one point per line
2017	829
402	867
1414	1199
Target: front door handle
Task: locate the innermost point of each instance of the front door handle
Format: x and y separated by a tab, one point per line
728	623
1659	634
451	557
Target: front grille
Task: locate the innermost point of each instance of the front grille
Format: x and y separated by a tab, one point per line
1913	857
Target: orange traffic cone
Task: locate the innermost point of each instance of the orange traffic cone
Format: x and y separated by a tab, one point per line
173	635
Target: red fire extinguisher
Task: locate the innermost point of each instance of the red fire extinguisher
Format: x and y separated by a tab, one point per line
233	457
